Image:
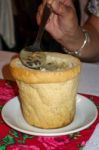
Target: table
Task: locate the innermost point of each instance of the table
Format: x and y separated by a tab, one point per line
5	58
11	139
89	79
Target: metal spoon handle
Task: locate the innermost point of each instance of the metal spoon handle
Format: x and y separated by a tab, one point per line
45	17
25	54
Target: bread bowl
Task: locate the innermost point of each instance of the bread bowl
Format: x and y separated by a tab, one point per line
48	96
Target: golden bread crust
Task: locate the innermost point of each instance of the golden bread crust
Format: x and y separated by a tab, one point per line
48	105
48	98
27	75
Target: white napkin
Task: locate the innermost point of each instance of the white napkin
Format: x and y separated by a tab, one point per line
93	142
89	79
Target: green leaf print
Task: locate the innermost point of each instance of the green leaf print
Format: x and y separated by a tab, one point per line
15	133
2	147
1	108
8	140
26	136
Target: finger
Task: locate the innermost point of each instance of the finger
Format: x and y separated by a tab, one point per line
39	14
60	8
55	4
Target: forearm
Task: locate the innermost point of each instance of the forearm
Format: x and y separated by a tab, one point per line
64	28
90	52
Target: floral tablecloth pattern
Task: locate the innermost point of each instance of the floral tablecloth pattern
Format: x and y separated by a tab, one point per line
11	139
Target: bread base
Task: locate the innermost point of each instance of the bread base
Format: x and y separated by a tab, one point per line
48	98
48	105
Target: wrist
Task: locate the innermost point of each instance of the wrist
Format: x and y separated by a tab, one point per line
74	40
78	51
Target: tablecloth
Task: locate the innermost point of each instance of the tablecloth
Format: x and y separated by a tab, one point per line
11	139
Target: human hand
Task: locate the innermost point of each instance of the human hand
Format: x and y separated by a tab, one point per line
63	23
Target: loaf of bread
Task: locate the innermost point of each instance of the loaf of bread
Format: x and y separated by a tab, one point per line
48	94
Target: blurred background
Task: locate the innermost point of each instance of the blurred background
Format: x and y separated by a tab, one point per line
24	22
18	27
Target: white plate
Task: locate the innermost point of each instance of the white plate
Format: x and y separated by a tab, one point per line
86	114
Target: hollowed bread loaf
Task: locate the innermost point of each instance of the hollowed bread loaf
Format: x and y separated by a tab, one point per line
48	94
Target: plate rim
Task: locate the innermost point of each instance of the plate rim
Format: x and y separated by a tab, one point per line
19	129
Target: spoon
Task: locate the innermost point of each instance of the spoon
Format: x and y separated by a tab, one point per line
32	55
